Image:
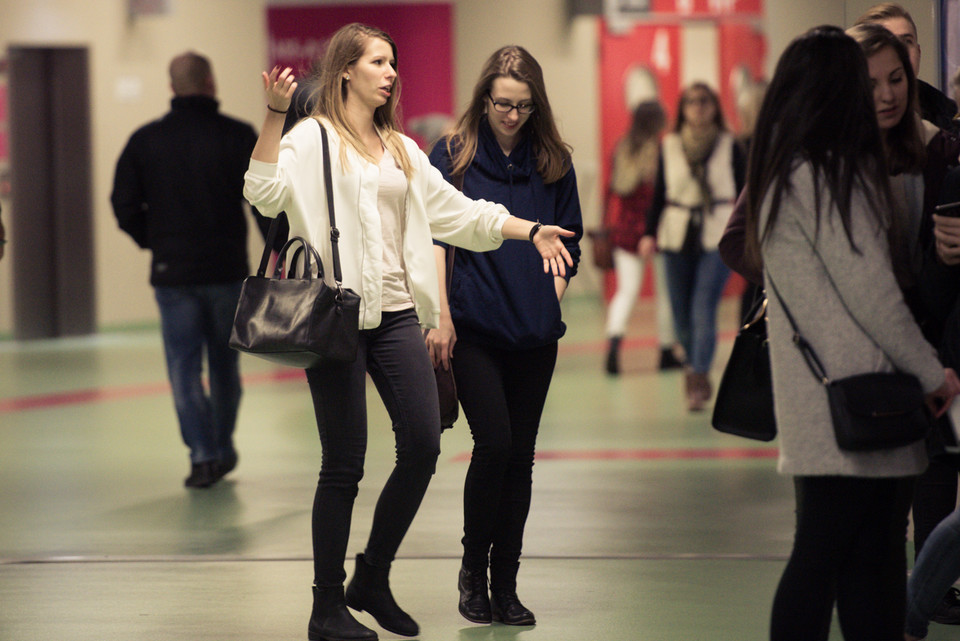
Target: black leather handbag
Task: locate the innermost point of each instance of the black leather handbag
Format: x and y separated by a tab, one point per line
744	403
872	411
298	321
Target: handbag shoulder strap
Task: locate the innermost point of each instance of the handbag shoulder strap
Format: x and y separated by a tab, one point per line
328	184
268	247
809	355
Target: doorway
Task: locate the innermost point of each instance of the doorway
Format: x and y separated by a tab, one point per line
50	153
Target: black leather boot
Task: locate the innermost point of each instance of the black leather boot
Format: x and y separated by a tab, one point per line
332	621
506	608
369	590
474	599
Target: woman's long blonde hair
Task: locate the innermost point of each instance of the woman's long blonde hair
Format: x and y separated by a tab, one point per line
346	46
553	155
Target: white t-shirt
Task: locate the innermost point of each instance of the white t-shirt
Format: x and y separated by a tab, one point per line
390	200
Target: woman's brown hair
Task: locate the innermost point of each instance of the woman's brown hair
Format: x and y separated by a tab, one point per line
346	46
906	152
553	155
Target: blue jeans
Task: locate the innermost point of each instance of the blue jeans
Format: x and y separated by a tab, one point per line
396	358
198	318
936	569
695	282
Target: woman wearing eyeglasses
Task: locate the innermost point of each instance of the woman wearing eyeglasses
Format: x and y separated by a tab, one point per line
500	329
701	172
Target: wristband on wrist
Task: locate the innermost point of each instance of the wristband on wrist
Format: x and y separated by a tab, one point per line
277	111
534	230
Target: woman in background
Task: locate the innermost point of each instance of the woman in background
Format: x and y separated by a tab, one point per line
501	327
701	173
632	179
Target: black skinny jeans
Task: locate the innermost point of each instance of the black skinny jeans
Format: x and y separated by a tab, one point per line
502	393
395	356
849	550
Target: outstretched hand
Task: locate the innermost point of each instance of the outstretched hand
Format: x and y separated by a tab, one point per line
279	87
548	241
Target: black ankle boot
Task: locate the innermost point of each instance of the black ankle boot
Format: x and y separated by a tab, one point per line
613	356
369	590
474	599
332	621
506	608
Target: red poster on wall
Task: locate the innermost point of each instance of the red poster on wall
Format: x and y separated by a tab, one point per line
422	32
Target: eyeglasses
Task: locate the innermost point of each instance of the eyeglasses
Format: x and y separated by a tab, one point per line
505	107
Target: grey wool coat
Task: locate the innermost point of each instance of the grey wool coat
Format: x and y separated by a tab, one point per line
849	307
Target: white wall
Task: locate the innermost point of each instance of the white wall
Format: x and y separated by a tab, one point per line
129	87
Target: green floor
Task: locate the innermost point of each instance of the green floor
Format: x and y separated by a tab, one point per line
645	524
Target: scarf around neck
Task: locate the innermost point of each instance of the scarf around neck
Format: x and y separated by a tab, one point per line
697	147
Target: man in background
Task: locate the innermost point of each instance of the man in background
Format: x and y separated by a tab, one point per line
178	192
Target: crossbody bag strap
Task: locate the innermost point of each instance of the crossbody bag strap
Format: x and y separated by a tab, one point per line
809	355
328	184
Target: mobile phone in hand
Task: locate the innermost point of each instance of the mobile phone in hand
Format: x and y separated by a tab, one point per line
949	209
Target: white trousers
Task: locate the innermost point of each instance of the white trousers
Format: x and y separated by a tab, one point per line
628	268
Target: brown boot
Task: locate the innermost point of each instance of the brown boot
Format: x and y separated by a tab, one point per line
698	391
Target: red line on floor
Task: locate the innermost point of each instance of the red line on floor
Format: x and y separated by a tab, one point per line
78	397
649	454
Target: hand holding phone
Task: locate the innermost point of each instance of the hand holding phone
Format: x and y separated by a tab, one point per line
946	232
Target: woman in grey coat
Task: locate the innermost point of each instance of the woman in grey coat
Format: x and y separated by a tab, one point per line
818	220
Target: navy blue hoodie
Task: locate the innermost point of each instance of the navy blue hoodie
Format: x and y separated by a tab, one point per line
503	298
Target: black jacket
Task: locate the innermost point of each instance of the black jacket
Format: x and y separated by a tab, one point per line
936	107
178	191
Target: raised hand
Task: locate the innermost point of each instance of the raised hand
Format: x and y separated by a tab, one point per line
279	87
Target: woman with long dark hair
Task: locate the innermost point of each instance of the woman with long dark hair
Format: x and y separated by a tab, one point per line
819	218
390	202
501	327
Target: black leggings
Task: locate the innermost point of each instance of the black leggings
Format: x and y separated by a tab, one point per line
849	551
396	357
502	393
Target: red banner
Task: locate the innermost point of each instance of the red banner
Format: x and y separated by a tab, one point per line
707	8
422	31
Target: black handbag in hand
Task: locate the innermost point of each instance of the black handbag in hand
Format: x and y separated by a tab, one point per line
744	404
300	322
873	411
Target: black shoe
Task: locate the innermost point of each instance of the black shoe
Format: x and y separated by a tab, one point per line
506	608
227	464
612	366
369	590
474	600
669	360
948	610
332	621
202	475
